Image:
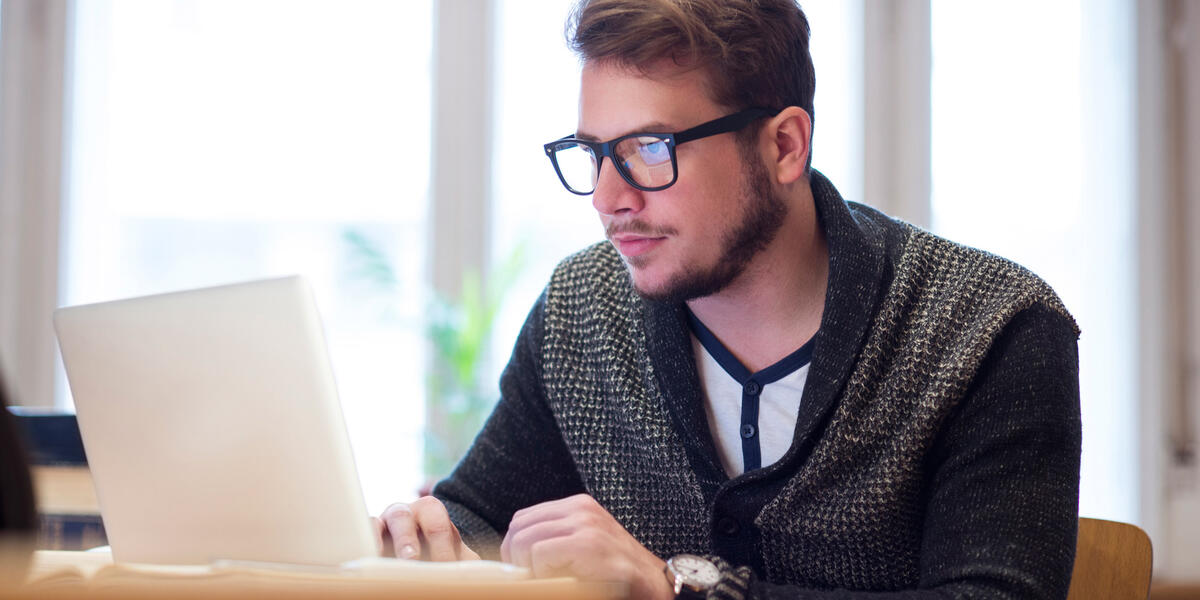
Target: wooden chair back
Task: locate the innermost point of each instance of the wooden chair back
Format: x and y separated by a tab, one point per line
1112	562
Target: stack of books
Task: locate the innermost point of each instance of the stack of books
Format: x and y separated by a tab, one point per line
66	498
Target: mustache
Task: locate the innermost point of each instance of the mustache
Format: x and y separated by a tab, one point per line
637	228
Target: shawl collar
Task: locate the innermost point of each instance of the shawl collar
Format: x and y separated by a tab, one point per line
855	236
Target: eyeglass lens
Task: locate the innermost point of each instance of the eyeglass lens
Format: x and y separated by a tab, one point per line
644	159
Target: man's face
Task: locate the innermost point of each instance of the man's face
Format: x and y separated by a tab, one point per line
694	238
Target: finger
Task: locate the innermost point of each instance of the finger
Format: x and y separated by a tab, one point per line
402	527
572	515
439	536
555	509
465	553
515	548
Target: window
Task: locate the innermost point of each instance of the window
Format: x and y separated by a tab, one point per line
219	140
836	46
531	209
1032	157
213	141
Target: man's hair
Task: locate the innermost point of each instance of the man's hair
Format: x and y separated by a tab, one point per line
754	51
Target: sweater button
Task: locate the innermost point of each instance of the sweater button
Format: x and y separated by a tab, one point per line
728	526
747	431
752	388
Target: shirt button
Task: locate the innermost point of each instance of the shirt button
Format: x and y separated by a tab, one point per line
748	431
752	388
728	526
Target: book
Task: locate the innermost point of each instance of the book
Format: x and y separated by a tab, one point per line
68	511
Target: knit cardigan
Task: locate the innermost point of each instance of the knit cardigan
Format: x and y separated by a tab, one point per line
936	450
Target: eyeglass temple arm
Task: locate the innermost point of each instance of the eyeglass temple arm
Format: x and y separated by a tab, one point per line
725	124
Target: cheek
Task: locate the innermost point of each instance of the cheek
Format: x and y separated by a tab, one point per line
709	204
713	184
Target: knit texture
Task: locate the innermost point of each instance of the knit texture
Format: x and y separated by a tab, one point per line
937	445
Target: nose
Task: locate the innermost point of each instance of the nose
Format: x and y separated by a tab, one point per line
614	195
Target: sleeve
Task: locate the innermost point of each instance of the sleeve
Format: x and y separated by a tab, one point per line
519	457
1003	496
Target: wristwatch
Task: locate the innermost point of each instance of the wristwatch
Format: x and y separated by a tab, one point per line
691	576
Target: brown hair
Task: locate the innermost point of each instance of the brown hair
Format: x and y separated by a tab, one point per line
755	51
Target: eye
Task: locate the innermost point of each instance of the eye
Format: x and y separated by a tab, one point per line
653	151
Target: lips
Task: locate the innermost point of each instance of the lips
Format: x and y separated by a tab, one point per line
630	245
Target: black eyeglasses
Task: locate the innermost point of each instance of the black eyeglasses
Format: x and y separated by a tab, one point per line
645	161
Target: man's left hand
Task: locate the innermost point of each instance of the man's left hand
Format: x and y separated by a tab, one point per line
575	536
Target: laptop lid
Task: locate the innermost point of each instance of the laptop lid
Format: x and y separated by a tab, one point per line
212	427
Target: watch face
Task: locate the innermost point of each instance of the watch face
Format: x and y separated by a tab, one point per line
695	571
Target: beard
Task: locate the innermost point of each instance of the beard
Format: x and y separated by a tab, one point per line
763	213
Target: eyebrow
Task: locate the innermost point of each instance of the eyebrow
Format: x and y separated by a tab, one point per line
655	127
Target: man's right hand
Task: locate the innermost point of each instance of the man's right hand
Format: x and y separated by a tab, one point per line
421	530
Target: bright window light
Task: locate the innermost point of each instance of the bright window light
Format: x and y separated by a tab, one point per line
836	46
216	141
536	100
1032	152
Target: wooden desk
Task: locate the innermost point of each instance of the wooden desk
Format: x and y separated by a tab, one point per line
92	575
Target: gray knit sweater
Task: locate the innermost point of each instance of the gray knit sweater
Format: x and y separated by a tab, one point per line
936	451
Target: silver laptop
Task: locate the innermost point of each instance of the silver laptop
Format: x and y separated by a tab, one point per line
212	427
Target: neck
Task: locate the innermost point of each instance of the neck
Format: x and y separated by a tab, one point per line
775	305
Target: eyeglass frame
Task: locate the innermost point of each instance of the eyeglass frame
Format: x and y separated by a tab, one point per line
726	124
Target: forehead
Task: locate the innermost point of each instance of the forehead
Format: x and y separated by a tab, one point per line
615	99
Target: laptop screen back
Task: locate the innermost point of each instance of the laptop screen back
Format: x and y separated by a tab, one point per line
212	427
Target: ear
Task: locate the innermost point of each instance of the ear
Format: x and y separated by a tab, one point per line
791	132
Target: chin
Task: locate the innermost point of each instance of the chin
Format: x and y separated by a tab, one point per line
683	284
646	283
646	288
658	289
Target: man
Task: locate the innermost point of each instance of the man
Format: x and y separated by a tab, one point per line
755	388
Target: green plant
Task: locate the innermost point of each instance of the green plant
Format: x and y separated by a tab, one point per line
457	399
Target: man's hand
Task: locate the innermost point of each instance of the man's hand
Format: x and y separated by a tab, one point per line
575	536
422	530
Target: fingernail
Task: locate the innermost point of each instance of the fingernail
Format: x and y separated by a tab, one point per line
408	551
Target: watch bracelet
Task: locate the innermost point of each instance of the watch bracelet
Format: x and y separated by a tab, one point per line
734	583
